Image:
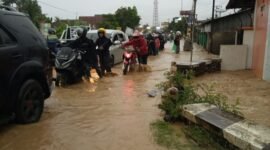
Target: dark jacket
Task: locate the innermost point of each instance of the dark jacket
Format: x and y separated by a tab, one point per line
105	43
177	40
87	45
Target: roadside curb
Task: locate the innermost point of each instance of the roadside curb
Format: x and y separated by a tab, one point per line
237	131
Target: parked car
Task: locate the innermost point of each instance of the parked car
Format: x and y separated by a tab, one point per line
116	50
25	73
69	34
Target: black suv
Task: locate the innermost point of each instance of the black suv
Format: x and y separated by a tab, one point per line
25	73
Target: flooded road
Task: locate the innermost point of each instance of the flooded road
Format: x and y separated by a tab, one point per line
111	114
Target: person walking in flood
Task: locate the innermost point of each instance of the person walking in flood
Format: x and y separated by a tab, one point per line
103	45
177	42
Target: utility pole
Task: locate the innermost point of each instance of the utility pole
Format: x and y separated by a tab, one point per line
193	28
211	32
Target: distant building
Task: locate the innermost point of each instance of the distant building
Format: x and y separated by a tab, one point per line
92	20
165	24
249	27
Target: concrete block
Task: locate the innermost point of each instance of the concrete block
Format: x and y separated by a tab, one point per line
235	130
246	135
191	111
234	57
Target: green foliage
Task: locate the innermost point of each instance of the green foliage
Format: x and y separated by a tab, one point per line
172	105
109	22
123	17
178	26
30	7
127	17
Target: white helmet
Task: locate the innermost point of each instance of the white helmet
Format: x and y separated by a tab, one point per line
178	33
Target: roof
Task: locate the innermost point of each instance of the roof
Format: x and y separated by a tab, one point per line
241	4
220	18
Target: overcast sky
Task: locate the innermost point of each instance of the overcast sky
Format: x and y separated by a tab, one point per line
69	8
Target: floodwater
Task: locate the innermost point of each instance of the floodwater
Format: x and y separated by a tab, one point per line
252	93
113	113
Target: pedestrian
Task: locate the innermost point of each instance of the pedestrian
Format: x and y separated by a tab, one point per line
151	44
103	45
90	60
177	41
139	43
157	44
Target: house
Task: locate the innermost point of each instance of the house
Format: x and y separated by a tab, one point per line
261	37
92	20
227	30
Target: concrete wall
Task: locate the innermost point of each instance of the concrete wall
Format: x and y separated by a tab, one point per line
234	57
260	28
266	75
248	40
222	38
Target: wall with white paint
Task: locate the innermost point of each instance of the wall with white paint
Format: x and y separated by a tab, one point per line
248	40
234	57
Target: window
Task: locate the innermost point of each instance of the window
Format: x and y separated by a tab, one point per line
5	39
115	38
121	37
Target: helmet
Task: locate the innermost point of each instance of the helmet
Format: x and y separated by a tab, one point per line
178	33
101	30
136	34
81	32
51	31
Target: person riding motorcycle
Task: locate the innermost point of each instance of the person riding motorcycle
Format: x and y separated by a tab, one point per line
103	45
90	58
52	40
139	43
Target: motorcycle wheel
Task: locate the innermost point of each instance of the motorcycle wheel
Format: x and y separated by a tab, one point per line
125	69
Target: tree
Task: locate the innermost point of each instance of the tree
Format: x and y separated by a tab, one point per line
178	26
109	22
30	7
127	17
124	17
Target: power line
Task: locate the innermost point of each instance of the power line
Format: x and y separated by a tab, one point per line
58	8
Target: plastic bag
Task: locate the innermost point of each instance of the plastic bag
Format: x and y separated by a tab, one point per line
174	48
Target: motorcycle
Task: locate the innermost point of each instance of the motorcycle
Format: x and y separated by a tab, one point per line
129	59
69	66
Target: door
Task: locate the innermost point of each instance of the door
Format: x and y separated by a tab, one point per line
10	58
120	51
115	49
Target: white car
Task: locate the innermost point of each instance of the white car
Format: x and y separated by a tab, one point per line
117	37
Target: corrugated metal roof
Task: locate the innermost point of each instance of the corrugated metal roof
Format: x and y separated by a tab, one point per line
241	4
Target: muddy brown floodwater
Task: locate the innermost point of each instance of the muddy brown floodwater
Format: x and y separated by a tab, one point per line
111	114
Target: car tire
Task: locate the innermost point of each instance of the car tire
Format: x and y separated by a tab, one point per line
112	61
30	104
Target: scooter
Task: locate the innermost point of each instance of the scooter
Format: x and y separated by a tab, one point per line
69	66
129	59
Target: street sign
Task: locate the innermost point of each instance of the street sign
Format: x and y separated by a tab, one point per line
186	13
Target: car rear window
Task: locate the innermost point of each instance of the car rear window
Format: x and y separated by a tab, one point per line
5	38
23	28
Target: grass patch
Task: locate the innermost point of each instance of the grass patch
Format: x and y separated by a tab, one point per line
202	137
167	136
